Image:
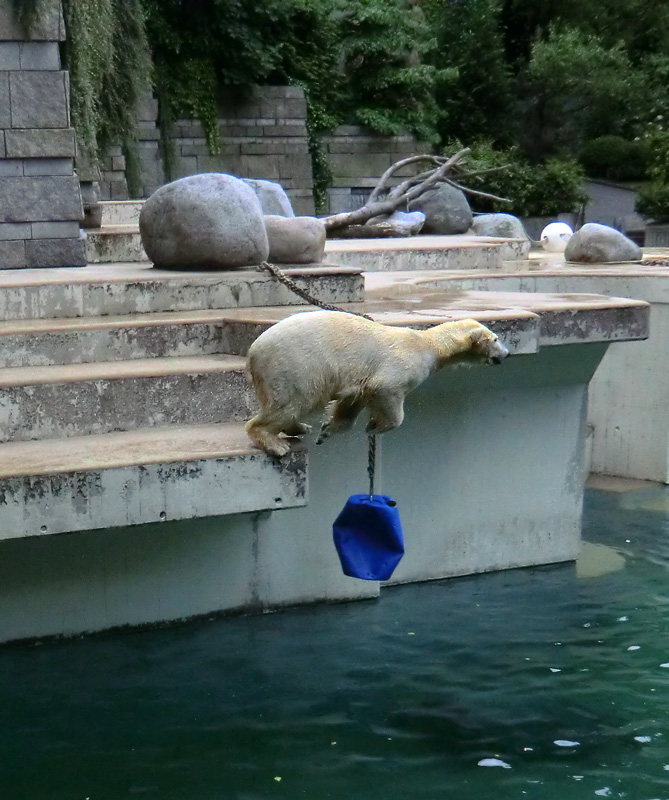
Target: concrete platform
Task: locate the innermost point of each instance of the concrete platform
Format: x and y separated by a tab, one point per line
178	520
155	475
524	322
72	400
121	243
628	394
139	289
461	252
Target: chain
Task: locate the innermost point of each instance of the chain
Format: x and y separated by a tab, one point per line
290	283
371	462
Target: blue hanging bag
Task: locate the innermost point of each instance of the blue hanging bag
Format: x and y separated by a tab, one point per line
368	537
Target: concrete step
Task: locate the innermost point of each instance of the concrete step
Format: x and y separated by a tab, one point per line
114	244
461	252
101	290
149	475
122	243
83	340
519	328
74	400
121	212
525	321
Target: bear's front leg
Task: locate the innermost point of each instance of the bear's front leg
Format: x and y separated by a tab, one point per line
340	416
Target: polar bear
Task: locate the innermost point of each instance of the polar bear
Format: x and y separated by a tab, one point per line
343	361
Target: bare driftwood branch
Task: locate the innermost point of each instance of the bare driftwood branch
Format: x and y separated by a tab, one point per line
396	167
467	190
410	190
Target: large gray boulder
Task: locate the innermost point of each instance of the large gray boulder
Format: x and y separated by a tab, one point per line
272	196
504	226
596	244
446	210
295	240
209	221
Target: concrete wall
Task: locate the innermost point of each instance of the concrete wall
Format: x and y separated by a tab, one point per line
614	205
264	137
40	200
500	486
358	158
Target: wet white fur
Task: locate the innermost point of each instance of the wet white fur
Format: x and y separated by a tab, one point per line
310	359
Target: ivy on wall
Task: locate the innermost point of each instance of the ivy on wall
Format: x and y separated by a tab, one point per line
109	61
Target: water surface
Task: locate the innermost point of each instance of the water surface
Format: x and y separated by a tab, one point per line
560	673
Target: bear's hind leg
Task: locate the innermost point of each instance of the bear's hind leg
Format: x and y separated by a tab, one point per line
263	430
386	412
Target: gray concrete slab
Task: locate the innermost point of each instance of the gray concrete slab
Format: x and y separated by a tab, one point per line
51	402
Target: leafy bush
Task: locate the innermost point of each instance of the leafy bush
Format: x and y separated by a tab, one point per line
534	190
615	158
653	200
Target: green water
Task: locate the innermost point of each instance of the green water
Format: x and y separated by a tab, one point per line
396	698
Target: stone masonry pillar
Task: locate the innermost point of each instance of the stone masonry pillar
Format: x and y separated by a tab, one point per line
40	198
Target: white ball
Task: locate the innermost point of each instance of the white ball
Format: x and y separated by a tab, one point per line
554	237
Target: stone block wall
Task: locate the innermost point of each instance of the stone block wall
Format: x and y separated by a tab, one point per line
40	199
358	157
265	137
113	183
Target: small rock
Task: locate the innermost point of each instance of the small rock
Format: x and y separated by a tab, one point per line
595	243
504	226
401	223
208	221
446	210
295	240
273	198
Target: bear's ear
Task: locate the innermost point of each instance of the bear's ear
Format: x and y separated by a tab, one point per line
478	334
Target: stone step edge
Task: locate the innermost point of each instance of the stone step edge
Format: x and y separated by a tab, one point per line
119	370
100	451
99	274
145	476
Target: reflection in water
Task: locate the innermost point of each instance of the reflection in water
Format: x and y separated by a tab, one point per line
558	681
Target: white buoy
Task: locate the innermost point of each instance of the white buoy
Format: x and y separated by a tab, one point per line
554	237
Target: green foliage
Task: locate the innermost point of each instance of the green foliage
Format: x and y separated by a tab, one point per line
653	200
478	100
577	88
615	158
389	84
89	52
110	67
535	190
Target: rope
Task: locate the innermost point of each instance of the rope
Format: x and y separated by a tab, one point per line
290	283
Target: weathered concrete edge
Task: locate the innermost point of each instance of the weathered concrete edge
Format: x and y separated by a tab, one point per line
519	332
157	294
66	502
614	324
